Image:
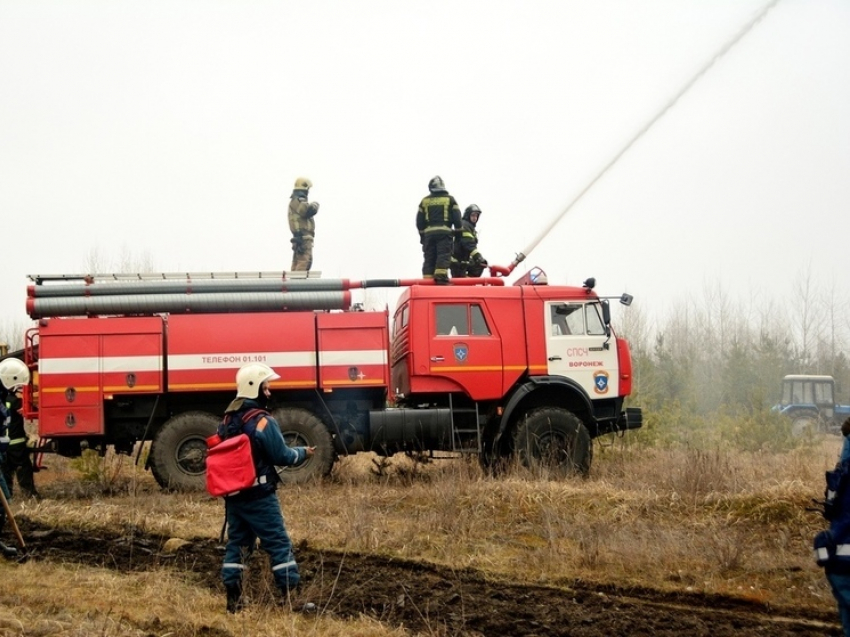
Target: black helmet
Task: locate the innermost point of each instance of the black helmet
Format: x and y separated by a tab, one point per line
470	210
436	184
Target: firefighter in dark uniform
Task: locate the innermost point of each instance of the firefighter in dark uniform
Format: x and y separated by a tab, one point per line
436	219
18	457
13	375
466	259
255	512
302	225
832	547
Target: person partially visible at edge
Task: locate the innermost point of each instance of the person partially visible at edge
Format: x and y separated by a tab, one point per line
14	374
18	458
302	225
466	259
255	512
837	568
437	218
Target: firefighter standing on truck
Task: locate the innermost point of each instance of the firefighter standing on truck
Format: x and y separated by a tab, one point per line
466	259
255	512
18	461
438	214
302	225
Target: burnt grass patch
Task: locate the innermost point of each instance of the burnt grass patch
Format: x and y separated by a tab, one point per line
435	600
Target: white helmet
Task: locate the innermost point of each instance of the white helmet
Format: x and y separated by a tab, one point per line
14	373
250	377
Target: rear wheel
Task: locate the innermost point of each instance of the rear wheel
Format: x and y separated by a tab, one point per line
301	428
553	441
179	451
804	423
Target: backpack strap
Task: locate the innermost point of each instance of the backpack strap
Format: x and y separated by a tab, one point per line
251	414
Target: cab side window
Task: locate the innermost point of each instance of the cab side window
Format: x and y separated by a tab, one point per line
461	319
479	322
452	320
567	318
594	321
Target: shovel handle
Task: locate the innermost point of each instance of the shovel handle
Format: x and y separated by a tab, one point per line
11	517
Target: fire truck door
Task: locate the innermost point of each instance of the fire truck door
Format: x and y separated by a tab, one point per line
578	348
464	348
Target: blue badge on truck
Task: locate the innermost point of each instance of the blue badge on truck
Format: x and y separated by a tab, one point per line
461	352
600	382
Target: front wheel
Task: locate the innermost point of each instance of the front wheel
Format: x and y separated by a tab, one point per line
178	457
553	441
301	428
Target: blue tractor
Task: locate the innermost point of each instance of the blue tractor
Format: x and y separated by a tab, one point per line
809	401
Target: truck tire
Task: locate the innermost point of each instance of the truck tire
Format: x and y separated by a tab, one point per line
805	423
301	428
551	440
179	451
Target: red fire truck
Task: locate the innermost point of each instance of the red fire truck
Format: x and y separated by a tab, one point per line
528	371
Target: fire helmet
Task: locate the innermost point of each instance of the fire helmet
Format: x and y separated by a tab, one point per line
470	210
14	373
250	377
436	184
302	183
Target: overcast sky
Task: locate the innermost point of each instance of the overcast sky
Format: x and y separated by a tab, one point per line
175	130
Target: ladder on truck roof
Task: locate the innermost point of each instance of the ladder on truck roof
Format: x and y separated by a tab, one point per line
40	279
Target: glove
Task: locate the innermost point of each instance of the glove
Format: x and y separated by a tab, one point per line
479	260
845	428
312	209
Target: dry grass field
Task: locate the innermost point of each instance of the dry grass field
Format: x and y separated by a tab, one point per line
654	542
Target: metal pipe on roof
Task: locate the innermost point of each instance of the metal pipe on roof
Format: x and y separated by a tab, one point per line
188	303
198	286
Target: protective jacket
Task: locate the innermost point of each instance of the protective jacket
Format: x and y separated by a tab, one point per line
17	431
466	244
267	446
5	417
832	547
438	214
301	213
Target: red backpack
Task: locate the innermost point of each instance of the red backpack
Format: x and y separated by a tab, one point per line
230	462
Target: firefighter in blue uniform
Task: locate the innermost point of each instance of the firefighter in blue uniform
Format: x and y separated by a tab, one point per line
466	259
255	512
832	547
13	375
436	219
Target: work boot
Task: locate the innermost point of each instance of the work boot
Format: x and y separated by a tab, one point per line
9	552
442	280
234	598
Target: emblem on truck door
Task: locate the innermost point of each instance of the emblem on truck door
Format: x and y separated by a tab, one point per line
461	352
600	382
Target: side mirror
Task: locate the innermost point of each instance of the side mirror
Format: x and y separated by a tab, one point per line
626	299
606	313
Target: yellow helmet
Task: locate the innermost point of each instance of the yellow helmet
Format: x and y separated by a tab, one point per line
302	183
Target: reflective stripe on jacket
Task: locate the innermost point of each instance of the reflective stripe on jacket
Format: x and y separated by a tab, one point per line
438	213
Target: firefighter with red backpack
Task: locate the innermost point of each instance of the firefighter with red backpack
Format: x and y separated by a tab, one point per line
255	512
